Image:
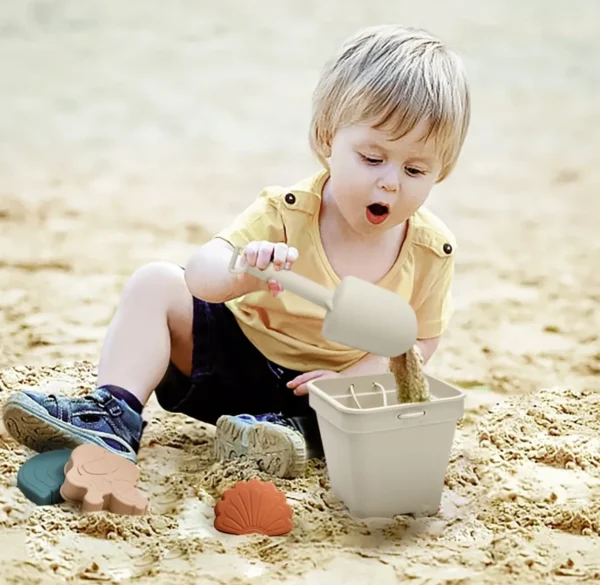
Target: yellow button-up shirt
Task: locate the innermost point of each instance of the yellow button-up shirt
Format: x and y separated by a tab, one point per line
287	329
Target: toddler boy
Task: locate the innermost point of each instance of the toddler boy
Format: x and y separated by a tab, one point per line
390	115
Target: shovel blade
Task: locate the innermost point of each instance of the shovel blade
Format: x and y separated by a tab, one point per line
370	318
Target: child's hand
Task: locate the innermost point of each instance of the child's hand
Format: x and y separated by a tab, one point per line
300	383
261	254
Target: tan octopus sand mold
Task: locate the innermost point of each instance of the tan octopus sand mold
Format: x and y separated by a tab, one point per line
101	480
521	504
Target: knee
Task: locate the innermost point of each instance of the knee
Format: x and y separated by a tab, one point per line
157	278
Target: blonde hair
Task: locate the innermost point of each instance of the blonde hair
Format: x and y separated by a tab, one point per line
392	77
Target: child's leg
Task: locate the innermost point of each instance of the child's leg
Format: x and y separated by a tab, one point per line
152	325
231	377
281	439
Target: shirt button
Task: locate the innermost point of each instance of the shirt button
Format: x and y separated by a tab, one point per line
290	198
447	248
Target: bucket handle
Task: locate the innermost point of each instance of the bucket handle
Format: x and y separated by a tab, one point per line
416	414
375	384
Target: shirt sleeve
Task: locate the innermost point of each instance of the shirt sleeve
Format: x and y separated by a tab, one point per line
261	220
436	309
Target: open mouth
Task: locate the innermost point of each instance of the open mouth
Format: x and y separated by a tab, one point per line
377	212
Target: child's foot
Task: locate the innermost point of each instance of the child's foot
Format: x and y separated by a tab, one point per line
45	422
271	440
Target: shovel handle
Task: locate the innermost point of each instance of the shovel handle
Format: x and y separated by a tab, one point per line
295	283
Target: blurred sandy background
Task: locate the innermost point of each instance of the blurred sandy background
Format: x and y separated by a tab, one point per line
131	131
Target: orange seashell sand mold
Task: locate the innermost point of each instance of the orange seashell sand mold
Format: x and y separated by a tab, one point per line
253	507
102	480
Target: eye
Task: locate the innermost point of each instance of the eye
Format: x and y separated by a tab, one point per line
414	172
370	159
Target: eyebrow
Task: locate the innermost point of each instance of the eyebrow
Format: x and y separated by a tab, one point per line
371	144
423	158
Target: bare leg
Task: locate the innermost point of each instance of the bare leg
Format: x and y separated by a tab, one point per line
152	324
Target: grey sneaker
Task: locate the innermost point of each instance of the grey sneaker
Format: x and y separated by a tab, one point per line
45	422
277	446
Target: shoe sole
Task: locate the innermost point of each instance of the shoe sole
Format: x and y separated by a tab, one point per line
229	440
278	451
30	425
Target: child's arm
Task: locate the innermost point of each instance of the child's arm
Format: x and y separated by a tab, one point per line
260	232
374	364
428	347
208	277
369	365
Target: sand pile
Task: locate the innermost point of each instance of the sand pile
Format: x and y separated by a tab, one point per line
409	375
521	496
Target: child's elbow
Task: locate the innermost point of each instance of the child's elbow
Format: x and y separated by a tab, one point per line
207	275
197	275
192	280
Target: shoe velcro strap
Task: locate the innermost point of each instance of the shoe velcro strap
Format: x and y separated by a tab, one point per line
112	406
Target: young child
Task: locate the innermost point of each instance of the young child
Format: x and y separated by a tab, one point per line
390	115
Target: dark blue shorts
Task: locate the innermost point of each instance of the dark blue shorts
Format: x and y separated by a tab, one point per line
229	375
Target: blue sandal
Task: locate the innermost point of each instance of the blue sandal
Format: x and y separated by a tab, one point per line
45	422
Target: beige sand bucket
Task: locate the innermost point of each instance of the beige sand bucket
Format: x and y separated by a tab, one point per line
385	458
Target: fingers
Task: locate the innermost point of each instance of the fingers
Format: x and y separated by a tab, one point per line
305	377
296	381
292	256
301	390
280	252
250	253
300	383
261	253
264	255
274	287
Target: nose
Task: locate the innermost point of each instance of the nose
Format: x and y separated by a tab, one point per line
389	180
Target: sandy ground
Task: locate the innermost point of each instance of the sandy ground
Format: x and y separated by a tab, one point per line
131	131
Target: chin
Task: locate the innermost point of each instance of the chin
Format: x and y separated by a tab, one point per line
368	229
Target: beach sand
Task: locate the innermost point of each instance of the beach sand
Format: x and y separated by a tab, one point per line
133	131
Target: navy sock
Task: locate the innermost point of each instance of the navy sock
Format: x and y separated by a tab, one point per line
125	396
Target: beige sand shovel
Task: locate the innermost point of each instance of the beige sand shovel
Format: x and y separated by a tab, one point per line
359	314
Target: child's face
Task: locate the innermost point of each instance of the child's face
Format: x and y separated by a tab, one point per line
378	183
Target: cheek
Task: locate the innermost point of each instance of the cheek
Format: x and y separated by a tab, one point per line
342	163
349	196
417	192
344	174
351	181
344	190
360	180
